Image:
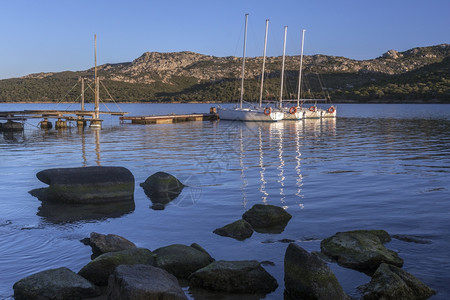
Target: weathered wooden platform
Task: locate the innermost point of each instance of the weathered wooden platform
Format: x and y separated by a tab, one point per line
170	118
69	115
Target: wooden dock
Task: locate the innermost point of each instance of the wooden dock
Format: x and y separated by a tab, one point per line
61	116
167	119
68	115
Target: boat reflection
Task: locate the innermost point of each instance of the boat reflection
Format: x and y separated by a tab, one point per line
275	150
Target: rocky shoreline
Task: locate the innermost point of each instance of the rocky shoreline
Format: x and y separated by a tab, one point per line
120	270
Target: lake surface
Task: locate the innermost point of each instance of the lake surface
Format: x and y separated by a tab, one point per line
376	166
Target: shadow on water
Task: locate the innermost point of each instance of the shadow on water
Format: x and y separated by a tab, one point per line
13	137
64	213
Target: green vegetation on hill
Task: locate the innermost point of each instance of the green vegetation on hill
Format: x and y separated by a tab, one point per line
417	74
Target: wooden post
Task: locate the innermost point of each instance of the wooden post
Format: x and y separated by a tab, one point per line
96	99
96	122
82	93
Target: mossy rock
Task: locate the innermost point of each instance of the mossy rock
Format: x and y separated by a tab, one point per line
143	282
267	218
362	250
392	283
162	187
59	283
181	260
239	230
99	269
306	276
246	277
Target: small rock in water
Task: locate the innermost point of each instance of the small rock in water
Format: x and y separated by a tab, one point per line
143	282
286	241
181	260
362	250
246	277
98	270
101	243
392	283
267	218
162	187
411	239
158	206
59	283
307	277
239	230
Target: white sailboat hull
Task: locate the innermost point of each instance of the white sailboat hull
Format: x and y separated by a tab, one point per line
311	114
318	113
250	115
298	115
329	113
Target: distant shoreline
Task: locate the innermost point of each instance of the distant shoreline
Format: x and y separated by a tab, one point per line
377	101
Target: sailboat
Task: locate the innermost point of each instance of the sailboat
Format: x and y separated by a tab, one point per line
267	114
312	112
292	113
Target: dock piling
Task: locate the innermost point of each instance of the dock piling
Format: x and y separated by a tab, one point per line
60	124
46	124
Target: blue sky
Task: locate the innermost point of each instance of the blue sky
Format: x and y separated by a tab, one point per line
53	36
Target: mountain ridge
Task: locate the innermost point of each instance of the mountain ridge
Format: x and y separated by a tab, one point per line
190	76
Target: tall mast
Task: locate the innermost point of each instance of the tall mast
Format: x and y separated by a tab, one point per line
96	98
300	71
82	93
243	61
282	66
264	64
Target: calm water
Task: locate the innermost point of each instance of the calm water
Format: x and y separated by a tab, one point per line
374	167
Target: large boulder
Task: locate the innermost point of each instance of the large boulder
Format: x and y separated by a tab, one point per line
245	276
55	284
99	269
101	243
162	188
362	250
266	218
239	230
392	283
86	185
306	276
138	282
181	260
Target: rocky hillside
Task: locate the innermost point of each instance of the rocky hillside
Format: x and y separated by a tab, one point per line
415	74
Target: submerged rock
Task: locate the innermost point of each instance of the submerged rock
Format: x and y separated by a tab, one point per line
181	260
138	282
245	276
239	230
362	250
411	239
101	243
99	269
59	283
267	218
86	185
390	282
162	188
307	277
